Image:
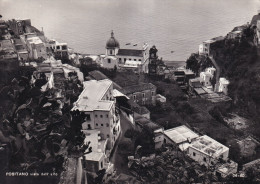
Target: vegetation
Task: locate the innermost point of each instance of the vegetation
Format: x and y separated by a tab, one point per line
240	62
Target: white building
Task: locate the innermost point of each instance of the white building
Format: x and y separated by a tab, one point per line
125	58
98	104
223	85
181	136
205	78
97	159
207	151
36	47
211	70
60	49
204	48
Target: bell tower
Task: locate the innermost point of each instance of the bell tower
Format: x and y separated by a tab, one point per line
153	58
112	45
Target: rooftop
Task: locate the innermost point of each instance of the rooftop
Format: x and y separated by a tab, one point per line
35	40
94	156
97	75
223	81
180	134
130	52
209	146
138	88
117	93
91	97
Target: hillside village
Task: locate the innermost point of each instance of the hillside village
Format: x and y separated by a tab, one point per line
126	115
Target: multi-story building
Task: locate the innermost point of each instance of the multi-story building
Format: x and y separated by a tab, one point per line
142	94
35	46
60	50
205	78
19	26
207	151
97	159
204	48
223	85
137	59
98	104
181	136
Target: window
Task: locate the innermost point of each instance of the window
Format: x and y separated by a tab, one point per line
64	47
139	60
101	164
152	93
130	59
87	117
107	135
107	125
96	124
107	115
96	115
205	159
134	59
120	60
101	116
111	52
134	96
109	60
101	124
124	59
89	127
194	154
58	47
143	95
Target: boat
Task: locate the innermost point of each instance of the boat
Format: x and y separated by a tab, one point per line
135	45
127	43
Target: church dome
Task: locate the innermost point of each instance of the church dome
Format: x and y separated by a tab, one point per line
112	42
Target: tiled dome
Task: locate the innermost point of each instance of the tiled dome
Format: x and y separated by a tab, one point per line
112	42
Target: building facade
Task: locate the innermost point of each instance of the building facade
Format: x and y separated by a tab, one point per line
98	104
223	85
134	59
142	94
207	151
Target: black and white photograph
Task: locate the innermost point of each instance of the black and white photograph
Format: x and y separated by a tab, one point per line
129	91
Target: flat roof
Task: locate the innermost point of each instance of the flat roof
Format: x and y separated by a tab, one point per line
180	134
91	97
35	40
200	91
208	146
223	80
195	80
94	156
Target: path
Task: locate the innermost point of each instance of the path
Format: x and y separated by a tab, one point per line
117	159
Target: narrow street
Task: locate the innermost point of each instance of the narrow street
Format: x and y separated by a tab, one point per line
118	159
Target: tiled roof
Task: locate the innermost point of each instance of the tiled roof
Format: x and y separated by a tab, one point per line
130	52
97	75
138	88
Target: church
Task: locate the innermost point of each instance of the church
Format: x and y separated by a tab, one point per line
136	59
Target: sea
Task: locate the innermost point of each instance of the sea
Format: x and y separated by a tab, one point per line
175	27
